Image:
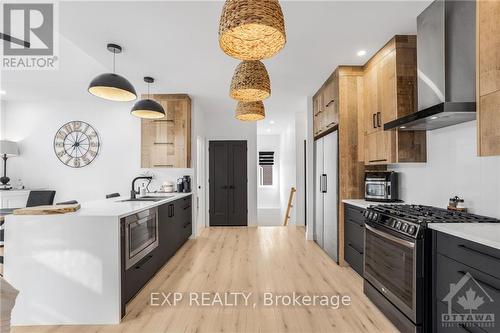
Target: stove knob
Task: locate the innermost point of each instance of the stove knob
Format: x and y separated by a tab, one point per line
366	214
411	229
404	227
398	225
375	216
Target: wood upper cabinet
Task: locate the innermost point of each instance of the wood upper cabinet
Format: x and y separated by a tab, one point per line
488	77
390	86
166	142
325	106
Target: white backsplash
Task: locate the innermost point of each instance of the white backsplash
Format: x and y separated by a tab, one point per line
453	168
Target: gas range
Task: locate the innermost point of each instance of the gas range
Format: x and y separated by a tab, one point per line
411	220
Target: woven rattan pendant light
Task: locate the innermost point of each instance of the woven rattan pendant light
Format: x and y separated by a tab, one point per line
252	29
250	82
250	111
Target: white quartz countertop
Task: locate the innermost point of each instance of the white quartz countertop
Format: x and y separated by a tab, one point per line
483	233
117	208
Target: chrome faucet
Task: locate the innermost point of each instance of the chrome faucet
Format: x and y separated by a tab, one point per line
133	193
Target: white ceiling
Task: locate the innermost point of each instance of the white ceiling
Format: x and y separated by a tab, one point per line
176	42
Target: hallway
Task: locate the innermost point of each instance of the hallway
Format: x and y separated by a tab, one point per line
257	260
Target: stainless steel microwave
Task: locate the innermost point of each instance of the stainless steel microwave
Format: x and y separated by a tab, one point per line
381	186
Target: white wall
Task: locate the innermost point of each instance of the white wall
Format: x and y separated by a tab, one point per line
453	168
300	136
223	126
287	168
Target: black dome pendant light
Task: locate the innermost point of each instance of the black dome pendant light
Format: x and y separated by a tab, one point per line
147	108
112	86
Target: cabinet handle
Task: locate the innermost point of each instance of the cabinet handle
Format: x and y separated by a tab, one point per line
465	247
462	326
480	281
379	119
378	160
329	103
330	124
148	258
187	207
187	224
350	245
374	120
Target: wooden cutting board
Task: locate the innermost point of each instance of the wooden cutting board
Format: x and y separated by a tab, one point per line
47	210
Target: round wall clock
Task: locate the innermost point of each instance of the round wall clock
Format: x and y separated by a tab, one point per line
76	144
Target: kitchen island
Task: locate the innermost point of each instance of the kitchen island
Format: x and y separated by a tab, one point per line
81	260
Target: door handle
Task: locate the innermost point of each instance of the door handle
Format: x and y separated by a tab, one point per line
374	120
379	119
324	183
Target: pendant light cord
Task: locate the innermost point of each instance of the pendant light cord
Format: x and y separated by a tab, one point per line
148	91
114	56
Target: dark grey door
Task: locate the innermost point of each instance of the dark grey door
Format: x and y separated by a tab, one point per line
228	183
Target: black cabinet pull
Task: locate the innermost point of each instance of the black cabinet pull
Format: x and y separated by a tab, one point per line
187	224
465	247
224	187
462	326
232	187
481	281
379	119
187	207
374	121
351	246
148	258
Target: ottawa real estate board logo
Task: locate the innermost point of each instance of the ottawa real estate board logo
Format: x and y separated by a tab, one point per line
30	36
469	305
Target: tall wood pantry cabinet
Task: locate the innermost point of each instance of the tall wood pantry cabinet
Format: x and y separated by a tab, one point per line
166	142
488	77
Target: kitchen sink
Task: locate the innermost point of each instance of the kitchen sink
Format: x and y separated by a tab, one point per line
147	198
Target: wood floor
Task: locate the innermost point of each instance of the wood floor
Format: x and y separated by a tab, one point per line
257	260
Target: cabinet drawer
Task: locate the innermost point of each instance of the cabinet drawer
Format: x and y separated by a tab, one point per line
355	235
354	214
354	258
480	257
440	328
450	272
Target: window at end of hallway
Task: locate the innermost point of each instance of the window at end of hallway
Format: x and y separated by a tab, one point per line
266	166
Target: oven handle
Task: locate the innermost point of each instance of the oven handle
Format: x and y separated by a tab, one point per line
390	237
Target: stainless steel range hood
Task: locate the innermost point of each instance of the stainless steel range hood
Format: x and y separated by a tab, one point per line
446	59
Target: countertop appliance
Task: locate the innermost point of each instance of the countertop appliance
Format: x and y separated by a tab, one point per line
325	194
141	235
186	184
382	186
446	61
397	256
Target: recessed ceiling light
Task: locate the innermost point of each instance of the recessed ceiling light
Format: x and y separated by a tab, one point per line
2	92
402	127
271	122
361	53
434	118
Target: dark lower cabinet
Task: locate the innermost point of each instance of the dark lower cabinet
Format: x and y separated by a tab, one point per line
174	229
466	286
354	237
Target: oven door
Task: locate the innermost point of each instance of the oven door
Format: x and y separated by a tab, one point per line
390	266
141	235
376	189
